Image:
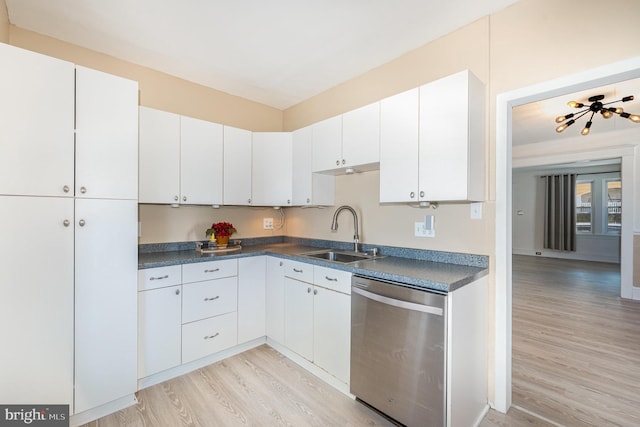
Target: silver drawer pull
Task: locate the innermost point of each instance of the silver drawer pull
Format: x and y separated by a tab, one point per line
212	298
297	271
212	336
212	271
166	276
331	279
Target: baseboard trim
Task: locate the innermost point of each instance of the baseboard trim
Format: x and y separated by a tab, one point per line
102	411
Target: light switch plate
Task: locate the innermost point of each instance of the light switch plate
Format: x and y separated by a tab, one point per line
475	210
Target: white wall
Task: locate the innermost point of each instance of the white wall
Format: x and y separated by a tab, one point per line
528	223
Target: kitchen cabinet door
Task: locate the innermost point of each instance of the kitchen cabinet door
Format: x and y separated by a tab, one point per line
309	189
361	137
237	166
106	268
106	136
251	298
36	307
159	329
159	166
332	332
201	158
271	169
36	124
327	145
275	299
399	147
298	317
452	158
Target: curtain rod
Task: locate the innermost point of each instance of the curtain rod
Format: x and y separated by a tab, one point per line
578	174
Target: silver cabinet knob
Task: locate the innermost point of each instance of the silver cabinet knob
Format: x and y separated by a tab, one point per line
66	188
66	222
81	223
281	263
308	290
343	161
315	292
248	200
184	198
83	190
308	200
337	162
288	201
422	194
177	291
412	194
175	198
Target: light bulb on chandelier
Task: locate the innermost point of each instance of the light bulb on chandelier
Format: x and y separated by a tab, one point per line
596	106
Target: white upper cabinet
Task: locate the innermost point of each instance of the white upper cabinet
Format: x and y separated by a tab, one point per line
36	124
361	138
237	166
271	169
159	156
201	158
348	141
432	145
106	136
180	159
399	147
309	188
327	144
452	138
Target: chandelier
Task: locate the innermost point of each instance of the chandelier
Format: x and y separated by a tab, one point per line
597	106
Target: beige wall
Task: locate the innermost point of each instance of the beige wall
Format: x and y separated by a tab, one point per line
4	22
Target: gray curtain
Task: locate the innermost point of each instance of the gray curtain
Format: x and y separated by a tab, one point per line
560	212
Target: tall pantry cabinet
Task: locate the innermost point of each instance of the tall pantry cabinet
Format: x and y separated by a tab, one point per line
68	220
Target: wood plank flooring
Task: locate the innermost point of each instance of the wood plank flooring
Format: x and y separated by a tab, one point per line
576	343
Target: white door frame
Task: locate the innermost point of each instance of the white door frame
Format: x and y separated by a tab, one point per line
619	71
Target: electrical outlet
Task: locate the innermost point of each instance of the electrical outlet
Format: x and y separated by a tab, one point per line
267	223
421	229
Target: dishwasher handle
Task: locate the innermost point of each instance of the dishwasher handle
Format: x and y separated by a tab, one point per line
398	303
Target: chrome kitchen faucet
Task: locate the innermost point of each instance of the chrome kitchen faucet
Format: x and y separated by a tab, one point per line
334	225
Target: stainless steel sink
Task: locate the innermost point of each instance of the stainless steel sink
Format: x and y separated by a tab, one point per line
343	257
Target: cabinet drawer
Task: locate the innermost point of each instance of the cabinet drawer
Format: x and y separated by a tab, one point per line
207	299
299	271
329	278
200	271
209	336
160	277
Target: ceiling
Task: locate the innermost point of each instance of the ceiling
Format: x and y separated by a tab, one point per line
535	122
277	52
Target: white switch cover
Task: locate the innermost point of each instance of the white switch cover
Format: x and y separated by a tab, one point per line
267	223
426	228
475	210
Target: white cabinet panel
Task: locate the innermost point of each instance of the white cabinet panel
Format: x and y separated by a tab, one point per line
331	278
332	332
106	136
271	169
207	299
159	330
36	124
327	144
36	308
209	336
159	166
251	298
298	317
200	271
399	147
309	189
159	277
299	270
237	166
361	137
105	301
201	158
275	299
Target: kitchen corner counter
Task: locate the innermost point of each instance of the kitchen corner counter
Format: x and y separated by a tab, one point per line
428	270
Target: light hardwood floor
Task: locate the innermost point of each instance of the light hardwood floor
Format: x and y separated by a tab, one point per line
576	343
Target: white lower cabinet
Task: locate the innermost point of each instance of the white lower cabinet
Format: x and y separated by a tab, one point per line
275	299
251	298
207	299
317	319
159	329
208	336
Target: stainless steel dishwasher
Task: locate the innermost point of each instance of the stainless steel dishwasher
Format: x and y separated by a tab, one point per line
398	351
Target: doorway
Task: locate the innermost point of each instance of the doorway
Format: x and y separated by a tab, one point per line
620	71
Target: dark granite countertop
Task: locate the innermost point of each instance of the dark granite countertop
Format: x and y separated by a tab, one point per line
430	270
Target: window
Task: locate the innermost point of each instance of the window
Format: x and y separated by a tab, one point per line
584	214
614	206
